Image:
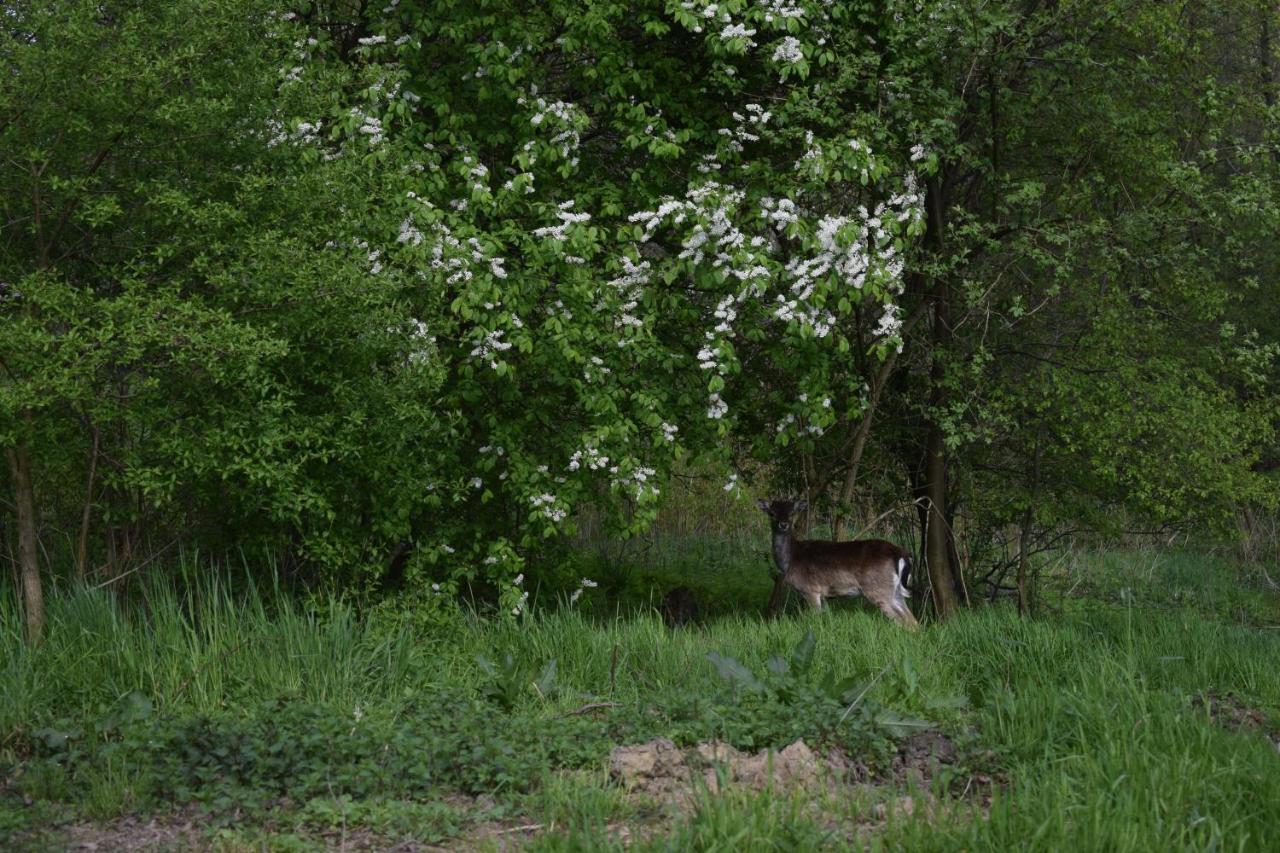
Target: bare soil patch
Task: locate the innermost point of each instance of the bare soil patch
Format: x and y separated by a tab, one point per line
131	832
921	756
1233	714
663	770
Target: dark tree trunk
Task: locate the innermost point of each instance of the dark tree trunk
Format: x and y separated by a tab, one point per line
1024	542
864	429
86	515
937	530
1266	57
32	593
919	494
1026	593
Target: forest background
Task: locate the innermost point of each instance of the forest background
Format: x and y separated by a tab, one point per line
401	297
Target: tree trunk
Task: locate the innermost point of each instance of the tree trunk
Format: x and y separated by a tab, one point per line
1266	65
82	546
938	532
851	476
32	593
920	494
1025	592
864	427
1024	536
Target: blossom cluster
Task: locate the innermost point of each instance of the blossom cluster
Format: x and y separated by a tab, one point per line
568	217
546	502
583	585
562	117
523	600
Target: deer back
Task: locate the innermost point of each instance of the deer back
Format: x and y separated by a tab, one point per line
867	566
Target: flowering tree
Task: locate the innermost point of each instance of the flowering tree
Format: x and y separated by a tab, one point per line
639	230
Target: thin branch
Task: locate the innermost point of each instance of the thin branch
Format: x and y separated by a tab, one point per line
141	565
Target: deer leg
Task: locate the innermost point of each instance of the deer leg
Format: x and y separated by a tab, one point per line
897	611
905	616
815	600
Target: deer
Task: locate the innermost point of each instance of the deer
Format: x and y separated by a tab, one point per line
873	568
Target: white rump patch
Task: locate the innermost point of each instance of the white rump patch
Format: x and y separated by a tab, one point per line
900	591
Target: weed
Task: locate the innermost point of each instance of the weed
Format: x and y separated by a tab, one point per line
509	679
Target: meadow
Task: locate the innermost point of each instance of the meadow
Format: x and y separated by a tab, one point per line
1138	712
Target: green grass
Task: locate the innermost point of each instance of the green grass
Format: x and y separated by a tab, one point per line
1088	715
1171	581
729	574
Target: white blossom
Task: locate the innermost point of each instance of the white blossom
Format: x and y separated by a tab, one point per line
788	51
490	346
890	324
567	217
409	233
732	31
547	504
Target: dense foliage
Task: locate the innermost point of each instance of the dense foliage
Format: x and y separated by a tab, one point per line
398	291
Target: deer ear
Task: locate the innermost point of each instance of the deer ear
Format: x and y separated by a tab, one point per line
801	506
764	505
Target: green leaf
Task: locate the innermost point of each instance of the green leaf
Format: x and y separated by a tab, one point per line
735	673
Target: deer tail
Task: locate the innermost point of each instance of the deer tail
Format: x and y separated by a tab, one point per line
904	574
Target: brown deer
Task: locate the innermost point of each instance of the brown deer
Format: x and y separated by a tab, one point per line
873	568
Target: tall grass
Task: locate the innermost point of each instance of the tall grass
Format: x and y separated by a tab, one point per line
205	647
1090	713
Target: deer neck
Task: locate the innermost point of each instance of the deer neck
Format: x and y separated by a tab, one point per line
782	551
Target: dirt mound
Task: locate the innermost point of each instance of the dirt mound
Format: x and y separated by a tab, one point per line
657	767
660	768
793	765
